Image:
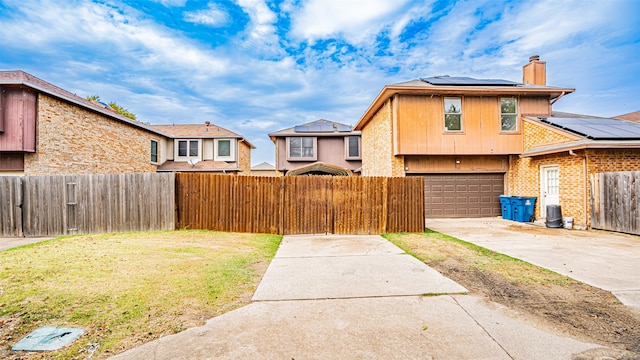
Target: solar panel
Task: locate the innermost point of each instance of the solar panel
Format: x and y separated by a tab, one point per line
467	81
313	128
598	129
343	128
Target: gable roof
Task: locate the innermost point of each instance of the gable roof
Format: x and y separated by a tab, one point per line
632	116
264	166
320	127
445	85
590	132
21	78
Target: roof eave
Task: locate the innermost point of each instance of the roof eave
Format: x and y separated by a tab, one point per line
105	112
389	91
582	146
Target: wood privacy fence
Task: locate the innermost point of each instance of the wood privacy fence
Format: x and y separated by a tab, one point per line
86	204
300	205
615	202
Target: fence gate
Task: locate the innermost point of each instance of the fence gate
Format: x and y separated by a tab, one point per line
300	204
10	206
86	204
615	202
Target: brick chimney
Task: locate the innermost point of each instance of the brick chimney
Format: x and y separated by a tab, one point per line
535	72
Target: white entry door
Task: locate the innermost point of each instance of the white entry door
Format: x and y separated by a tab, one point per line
549	187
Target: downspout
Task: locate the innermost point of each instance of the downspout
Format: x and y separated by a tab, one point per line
585	193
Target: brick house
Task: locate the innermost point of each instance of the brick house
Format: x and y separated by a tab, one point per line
321	147
46	130
475	139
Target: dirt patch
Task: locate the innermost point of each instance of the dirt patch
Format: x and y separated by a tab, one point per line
579	310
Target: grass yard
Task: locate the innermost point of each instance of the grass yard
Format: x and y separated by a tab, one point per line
126	289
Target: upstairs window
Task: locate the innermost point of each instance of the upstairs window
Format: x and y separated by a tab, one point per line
301	148
224	150
188	148
154	151
509	114
352	147
453	114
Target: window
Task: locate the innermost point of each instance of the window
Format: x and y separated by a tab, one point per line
453	114
188	148
154	151
225	150
509	114
301	148
352	147
224	147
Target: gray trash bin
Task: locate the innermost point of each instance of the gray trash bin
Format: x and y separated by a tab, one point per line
554	216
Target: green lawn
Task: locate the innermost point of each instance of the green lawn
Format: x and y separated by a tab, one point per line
126	289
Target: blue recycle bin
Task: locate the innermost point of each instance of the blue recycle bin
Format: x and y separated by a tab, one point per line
522	208
505	205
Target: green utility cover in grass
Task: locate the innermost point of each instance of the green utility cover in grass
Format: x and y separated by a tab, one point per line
48	338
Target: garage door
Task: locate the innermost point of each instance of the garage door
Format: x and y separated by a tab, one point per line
462	195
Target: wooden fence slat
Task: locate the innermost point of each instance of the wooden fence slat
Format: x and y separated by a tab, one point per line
615	202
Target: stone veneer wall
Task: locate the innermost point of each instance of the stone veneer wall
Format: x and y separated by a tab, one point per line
377	146
72	140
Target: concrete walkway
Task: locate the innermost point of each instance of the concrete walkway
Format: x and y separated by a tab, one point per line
360	297
13	242
604	259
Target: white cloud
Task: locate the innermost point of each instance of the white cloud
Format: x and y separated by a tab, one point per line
353	20
212	16
261	32
171	3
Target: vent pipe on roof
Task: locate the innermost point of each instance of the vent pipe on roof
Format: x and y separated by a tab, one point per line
207	123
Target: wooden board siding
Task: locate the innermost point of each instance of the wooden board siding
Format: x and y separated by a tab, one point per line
19	119
452	164
535	106
330	150
11	161
419	127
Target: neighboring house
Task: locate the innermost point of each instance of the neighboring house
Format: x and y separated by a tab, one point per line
475	139
264	169
560	154
202	148
632	116
321	147
46	130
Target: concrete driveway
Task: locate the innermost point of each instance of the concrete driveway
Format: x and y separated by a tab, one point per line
360	297
607	260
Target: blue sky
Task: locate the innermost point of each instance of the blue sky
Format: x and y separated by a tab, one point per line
258	66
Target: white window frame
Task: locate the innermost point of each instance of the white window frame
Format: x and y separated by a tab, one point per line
232	150
300	158
188	157
347	139
515	129
459	113
157	154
